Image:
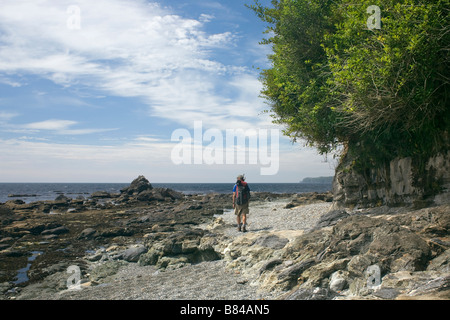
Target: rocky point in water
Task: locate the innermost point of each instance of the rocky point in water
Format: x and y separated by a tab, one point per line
155	223
65	229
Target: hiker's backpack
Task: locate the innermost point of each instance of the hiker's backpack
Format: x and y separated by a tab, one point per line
243	194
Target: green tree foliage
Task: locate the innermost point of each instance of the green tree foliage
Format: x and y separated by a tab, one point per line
381	92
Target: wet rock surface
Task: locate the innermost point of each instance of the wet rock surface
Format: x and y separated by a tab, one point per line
142	224
149	243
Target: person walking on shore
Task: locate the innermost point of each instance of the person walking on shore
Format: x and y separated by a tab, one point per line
241	197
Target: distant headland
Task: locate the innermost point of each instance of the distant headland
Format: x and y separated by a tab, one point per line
322	180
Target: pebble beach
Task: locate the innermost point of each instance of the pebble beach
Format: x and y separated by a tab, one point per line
209	280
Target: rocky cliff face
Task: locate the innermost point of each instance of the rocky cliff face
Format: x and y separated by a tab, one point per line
397	183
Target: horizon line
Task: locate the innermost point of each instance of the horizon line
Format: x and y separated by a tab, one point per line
5	182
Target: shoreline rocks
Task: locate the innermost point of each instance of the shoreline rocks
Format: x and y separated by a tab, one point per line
140	192
303	251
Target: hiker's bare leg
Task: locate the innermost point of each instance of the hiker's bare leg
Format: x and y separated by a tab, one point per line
244	222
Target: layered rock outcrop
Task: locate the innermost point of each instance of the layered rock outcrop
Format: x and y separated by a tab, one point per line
399	256
396	184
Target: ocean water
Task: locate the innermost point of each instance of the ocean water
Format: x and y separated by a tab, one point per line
30	192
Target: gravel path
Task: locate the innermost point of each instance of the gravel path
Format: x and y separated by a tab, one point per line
207	280
271	216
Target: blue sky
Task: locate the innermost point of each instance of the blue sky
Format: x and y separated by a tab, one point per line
92	91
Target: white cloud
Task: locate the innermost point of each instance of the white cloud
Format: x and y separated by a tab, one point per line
59	127
75	132
37	161
12	83
206	17
50	125
124	48
33	161
7	116
129	49
145	139
94	154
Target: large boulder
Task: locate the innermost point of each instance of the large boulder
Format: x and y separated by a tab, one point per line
176	249
5	211
7	215
55	231
396	248
149	195
133	253
62	200
137	186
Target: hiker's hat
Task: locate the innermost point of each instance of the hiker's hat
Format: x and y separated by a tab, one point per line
241	177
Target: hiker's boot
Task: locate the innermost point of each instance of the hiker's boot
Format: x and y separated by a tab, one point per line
243	228
239	227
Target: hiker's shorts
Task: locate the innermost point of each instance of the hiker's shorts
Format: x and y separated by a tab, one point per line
241	209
